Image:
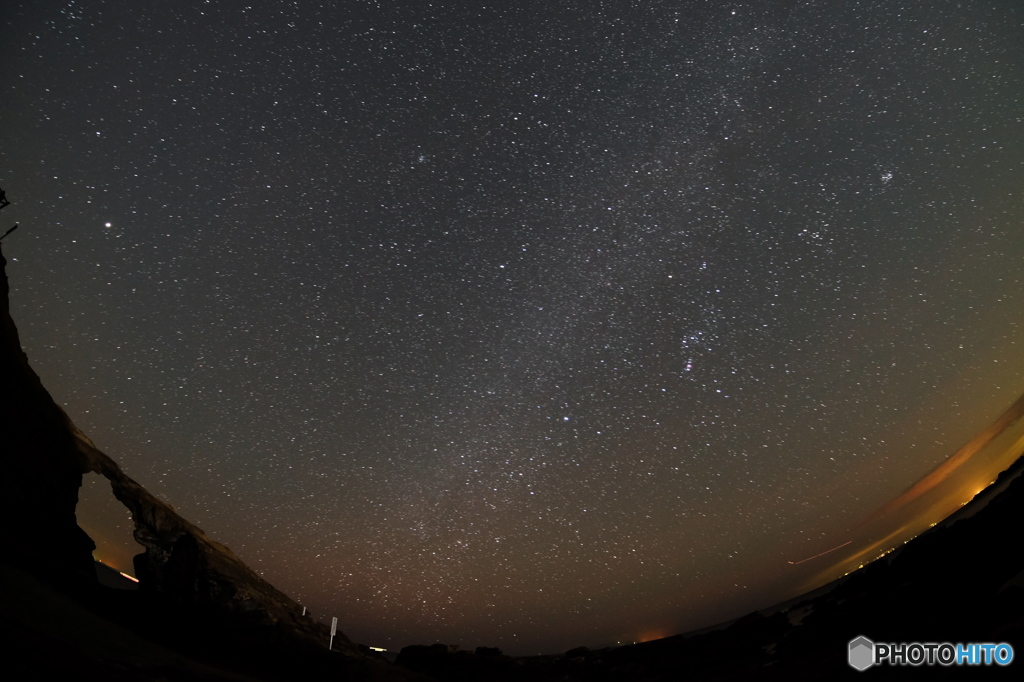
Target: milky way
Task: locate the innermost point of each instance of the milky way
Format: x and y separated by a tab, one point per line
530	325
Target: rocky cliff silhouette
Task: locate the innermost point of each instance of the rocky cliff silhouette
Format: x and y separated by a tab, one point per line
46	458
195	594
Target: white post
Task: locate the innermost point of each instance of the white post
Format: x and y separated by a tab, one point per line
334	629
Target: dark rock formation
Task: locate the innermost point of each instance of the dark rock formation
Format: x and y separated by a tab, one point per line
42	471
200	612
46	456
183	565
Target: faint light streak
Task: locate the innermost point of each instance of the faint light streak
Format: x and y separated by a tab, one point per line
822	554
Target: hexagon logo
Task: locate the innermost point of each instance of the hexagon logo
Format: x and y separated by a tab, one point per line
862	653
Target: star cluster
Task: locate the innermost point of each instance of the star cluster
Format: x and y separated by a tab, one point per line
529	324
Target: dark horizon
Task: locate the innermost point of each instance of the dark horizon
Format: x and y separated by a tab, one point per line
538	325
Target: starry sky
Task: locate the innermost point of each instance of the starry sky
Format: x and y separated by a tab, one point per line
524	324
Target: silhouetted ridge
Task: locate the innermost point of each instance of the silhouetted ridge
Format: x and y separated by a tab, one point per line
195	595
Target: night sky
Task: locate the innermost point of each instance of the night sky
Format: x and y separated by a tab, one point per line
526	324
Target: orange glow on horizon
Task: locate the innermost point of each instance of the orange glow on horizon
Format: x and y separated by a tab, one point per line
945	470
